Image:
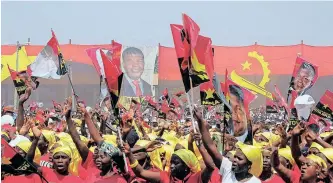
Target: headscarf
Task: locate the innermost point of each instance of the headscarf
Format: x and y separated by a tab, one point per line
286	153
75	156
272	138
112	139
77	121
108	148
65	137
168	153
254	155
50	136
316	145
189	159
84	139
260	144
64	149
5	134
92	149
25	146
155	157
325	134
328	152
318	160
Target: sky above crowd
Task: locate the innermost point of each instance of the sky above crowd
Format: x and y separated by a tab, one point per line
148	23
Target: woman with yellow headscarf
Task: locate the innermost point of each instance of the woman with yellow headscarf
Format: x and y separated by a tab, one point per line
62	156
184	166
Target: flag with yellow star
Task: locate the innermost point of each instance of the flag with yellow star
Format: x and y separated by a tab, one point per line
324	108
208	94
49	63
192	62
21	79
13	162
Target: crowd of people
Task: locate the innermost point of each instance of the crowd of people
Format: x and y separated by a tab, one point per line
88	144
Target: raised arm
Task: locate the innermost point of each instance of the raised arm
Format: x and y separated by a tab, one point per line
282	171
20	114
206	173
138	169
82	148
207	140
295	149
94	133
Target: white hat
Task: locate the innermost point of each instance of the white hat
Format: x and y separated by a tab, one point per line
303	104
89	109
7	119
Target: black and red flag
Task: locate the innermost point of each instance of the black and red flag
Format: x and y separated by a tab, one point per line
165	95
192	51
12	162
324	108
208	94
271	107
113	73
22	80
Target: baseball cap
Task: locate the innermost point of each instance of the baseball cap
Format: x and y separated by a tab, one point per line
7	119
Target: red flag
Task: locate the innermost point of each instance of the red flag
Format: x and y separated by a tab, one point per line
22	79
282	101
208	94
191	29
165	107
175	102
112	73
180	93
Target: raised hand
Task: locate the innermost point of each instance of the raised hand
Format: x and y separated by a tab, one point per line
67	107
24	97
153	145
299	129
275	161
81	108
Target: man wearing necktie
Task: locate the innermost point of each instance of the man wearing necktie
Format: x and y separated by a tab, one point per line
133	63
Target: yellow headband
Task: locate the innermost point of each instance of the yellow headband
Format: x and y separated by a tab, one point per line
50	136
254	155
286	153
315	145
84	139
318	160
189	159
112	139
64	149
25	146
328	152
272	138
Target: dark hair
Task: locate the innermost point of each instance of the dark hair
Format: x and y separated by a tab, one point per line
130	51
308	67
237	91
314	128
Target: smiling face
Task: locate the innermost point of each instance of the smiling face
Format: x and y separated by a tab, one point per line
133	65
103	161
238	116
303	79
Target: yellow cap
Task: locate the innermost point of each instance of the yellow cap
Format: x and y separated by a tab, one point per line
254	155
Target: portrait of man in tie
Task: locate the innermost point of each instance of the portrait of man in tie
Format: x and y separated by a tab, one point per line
133	64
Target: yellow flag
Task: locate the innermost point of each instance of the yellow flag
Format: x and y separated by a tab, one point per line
24	61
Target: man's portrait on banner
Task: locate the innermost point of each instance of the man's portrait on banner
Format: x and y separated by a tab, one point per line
138	74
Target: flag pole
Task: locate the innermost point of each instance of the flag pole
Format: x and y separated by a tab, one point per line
18	48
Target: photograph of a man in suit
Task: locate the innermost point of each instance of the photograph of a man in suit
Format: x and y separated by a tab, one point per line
133	64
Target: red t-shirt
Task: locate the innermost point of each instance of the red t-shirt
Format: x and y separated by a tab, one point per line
116	178
52	176
45	161
133	177
88	167
32	178
216	177
190	178
275	179
296	176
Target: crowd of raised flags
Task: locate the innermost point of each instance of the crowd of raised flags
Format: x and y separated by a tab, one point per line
130	137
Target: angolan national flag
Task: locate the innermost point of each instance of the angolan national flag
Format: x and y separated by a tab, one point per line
49	63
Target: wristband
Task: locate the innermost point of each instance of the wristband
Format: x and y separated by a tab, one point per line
135	164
